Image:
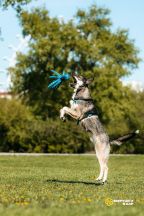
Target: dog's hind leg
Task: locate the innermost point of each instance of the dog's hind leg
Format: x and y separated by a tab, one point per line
103	167
99	157
101	164
100	177
106	157
105	163
105	173
103	155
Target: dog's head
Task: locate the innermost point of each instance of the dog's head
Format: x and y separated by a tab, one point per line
79	81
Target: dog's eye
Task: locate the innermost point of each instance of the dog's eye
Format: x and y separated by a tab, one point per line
72	85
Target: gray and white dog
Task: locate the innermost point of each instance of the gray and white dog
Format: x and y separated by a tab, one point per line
82	109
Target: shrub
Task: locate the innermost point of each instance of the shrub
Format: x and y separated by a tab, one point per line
20	131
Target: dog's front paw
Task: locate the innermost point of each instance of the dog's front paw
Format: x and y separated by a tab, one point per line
62	114
63	118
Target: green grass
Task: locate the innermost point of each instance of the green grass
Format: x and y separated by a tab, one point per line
65	185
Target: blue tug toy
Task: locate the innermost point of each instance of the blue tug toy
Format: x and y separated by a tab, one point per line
59	78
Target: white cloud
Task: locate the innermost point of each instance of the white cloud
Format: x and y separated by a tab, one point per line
135	84
23	43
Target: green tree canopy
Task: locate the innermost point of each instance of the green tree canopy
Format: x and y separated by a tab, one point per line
13	3
87	44
16	4
20	131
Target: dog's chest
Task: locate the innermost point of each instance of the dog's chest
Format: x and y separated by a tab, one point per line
74	104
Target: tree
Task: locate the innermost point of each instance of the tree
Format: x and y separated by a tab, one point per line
20	131
16	4
13	3
13	118
86	44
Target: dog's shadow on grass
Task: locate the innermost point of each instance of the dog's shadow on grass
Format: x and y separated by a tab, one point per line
73	182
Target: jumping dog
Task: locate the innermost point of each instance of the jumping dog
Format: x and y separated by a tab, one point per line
83	110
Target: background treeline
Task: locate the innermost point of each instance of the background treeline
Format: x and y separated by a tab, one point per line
85	44
21	131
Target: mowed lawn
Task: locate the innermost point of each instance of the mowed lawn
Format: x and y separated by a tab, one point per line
65	185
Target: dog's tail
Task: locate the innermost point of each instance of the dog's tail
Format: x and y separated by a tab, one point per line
124	138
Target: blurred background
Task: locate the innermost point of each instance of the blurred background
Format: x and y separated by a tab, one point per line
100	39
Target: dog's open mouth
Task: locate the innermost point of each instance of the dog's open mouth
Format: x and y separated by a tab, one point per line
75	77
74	80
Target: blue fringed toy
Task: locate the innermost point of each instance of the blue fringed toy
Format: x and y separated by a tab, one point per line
59	78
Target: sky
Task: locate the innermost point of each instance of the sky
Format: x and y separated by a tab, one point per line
126	14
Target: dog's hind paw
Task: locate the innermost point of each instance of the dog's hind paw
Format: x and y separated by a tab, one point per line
98	179
104	182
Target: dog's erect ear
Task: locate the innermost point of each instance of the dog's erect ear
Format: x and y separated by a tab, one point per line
74	74
88	81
